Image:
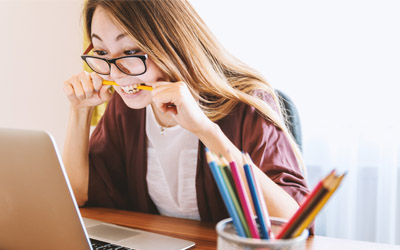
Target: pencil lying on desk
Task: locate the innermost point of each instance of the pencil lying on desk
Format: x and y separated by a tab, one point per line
140	86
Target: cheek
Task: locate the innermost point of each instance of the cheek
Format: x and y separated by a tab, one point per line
153	73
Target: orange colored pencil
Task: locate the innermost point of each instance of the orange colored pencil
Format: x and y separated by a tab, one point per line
311	216
311	201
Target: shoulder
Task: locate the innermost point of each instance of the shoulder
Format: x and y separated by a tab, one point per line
245	123
268	98
243	111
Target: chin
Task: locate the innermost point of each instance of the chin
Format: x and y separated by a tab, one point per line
139	101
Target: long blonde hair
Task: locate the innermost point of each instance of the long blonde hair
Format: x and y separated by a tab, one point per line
181	45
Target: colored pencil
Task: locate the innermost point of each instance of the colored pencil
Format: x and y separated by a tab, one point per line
264	209
318	192
216	172
258	200
140	86
223	163
227	175
244	200
311	206
333	186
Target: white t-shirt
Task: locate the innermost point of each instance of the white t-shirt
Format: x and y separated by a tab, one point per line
171	168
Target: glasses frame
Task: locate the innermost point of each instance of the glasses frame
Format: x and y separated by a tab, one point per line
113	61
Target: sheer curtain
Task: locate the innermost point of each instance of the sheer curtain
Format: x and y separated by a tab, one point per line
340	63
366	207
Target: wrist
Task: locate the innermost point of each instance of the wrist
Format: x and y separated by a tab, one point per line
81	114
208	131
81	110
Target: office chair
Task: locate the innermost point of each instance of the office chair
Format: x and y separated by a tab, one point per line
292	117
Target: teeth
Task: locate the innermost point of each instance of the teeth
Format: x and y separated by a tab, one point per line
131	89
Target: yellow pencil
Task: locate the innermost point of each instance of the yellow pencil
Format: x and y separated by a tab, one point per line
141	86
334	185
109	83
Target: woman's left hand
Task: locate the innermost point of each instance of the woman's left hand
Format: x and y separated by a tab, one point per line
175	98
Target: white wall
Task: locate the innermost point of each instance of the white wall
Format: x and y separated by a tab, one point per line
344	52
40	47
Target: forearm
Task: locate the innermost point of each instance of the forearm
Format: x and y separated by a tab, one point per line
279	202
76	151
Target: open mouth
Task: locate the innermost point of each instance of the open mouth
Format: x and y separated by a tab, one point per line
131	89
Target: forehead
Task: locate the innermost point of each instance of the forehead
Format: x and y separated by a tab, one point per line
102	22
106	32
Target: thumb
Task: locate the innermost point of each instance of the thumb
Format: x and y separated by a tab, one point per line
105	93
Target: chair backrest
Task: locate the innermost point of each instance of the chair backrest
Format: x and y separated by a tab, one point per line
292	117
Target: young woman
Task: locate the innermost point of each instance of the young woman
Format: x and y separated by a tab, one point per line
147	152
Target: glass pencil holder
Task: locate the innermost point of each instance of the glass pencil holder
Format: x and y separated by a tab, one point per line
229	240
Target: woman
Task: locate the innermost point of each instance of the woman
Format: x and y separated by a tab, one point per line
147	152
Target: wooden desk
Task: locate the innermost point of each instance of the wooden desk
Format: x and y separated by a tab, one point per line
204	234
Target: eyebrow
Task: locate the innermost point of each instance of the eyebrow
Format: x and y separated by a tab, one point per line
119	37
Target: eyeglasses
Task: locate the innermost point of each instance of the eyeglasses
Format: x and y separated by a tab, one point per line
131	65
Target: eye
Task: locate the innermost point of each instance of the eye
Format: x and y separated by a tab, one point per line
131	52
100	52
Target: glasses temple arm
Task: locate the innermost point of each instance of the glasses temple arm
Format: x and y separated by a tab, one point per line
88	48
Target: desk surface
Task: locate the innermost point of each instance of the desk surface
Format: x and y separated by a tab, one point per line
204	234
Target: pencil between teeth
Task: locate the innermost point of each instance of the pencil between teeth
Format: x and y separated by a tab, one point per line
144	87
141	86
109	83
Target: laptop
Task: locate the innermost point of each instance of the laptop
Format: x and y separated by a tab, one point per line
38	209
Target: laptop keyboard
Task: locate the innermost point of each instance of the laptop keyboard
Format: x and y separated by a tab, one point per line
101	245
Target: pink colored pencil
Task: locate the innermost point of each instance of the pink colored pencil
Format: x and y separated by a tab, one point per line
244	200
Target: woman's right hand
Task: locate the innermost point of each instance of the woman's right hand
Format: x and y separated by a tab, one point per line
86	90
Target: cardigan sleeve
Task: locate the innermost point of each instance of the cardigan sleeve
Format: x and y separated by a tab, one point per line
271	151
107	177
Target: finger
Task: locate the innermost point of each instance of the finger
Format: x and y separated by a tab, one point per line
97	81
163	97
161	107
77	86
70	93
166	106
170	108
158	83
87	85
159	86
105	93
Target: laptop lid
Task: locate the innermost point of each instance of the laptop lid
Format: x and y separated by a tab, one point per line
37	208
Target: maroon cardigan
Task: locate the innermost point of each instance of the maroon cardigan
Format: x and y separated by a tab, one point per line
118	160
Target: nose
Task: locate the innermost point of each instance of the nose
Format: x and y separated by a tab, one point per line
115	73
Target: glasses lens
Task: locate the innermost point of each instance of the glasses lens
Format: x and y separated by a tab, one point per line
98	65
131	65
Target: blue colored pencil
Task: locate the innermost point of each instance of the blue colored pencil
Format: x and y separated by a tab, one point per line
216	172
262	220
230	185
